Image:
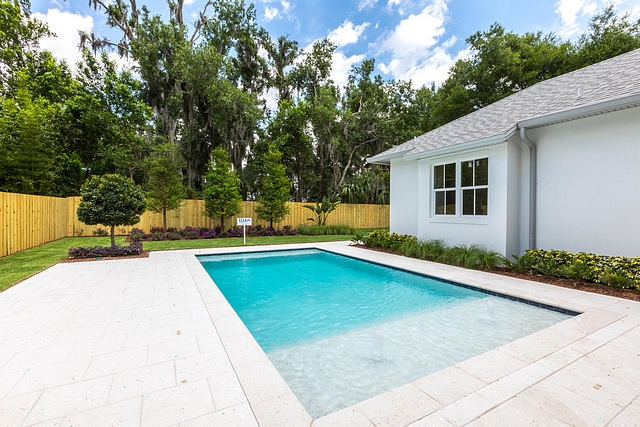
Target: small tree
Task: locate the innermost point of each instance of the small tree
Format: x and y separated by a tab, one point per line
273	190
165	191
222	192
111	200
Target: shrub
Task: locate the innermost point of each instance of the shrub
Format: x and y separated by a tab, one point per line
136	235
134	248
156	233
473	256
100	232
321	230
190	233
382	239
611	270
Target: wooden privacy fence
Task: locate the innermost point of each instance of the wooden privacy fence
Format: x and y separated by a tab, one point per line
27	221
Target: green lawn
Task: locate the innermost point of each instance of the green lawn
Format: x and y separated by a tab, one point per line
17	267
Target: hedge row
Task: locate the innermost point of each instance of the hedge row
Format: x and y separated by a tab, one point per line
616	271
134	248
473	256
191	233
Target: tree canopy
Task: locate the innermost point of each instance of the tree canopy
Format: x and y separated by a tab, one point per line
201	87
111	200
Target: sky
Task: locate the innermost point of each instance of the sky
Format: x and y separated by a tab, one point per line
417	40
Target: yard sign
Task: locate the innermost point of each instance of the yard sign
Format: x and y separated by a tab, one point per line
244	222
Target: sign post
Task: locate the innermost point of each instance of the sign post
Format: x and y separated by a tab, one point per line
244	222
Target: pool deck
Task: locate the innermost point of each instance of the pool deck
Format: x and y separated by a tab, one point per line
153	342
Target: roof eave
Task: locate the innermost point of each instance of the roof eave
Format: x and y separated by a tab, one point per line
595	108
465	146
385	158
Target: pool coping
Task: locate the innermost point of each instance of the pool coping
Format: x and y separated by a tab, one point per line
467	391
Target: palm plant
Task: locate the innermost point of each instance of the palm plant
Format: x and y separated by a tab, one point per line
322	210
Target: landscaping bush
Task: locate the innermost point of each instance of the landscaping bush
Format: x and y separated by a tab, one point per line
474	256
323	230
136	235
191	233
614	271
134	248
385	240
101	232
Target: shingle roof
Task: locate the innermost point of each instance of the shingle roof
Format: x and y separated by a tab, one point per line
602	81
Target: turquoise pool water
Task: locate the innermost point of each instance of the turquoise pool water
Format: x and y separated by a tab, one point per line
341	330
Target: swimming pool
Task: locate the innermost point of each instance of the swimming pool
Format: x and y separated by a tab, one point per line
341	330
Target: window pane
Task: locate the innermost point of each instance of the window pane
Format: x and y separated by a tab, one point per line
451	203
466	170
467	202
438	176
482	200
439	202
482	171
450	175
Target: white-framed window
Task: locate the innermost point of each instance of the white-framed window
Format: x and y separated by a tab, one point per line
461	189
474	182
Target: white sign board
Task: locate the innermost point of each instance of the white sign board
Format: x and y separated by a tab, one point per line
244	221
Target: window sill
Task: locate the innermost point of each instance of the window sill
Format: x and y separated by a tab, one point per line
459	220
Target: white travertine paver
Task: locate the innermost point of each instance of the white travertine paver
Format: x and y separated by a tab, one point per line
153	342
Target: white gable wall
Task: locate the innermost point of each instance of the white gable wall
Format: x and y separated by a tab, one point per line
589	184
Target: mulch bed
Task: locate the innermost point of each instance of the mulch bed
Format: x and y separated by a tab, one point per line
144	254
580	285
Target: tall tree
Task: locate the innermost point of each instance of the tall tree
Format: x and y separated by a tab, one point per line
19	41
282	54
288	131
221	192
608	35
273	191
172	59
165	191
27	147
501	64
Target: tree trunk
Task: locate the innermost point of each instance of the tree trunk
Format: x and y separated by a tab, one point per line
164	219
113	237
222	223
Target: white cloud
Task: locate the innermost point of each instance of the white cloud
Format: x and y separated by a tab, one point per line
418	32
189	2
433	67
629	6
569	11
399	4
342	67
347	33
271	13
365	4
271	97
66	26
417	52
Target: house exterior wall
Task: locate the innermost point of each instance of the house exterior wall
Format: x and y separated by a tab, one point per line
412	201
403	210
589	184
